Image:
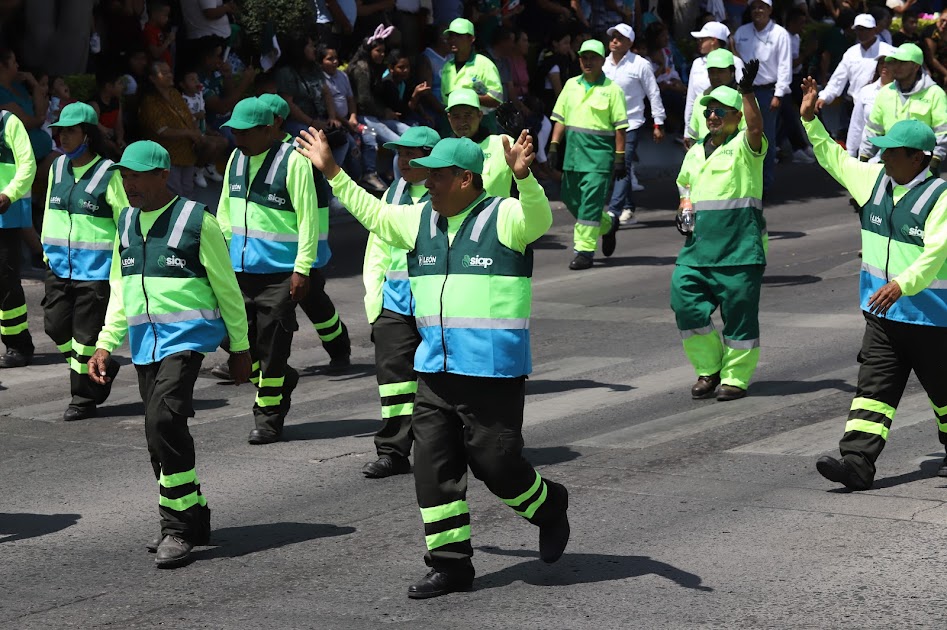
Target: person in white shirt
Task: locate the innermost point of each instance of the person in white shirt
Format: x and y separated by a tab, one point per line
711	36
864	101
634	75
769	42
203	18
858	63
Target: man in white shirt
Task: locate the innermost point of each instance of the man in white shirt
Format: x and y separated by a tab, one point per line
769	42
711	36
203	18
858	63
635	76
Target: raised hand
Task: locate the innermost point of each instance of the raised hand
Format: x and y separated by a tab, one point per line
810	98
520	154
313	145
749	76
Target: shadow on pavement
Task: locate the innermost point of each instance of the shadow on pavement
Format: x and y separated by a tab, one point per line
232	542
356	370
790	281
545	456
926	470
783	236
582	568
783	388
645	261
137	408
547	242
22	526
328	429
540	386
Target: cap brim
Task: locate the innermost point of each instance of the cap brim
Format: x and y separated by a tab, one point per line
69	123
900	58
240	125
430	162
446	31
700	34
398	144
137	167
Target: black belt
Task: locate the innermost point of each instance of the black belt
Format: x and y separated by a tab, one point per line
765	86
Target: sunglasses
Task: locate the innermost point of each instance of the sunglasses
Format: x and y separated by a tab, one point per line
719	112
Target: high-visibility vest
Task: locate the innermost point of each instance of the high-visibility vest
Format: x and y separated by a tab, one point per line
169	303
20	212
591	113
892	239
472	297
79	227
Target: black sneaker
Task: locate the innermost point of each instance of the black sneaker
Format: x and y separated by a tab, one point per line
609	242
339	364
386	466
15	358
437	583
173	552
580	263
839	471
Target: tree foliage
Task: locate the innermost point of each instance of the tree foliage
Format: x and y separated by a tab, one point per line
287	19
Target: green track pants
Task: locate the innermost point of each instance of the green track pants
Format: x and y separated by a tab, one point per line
585	195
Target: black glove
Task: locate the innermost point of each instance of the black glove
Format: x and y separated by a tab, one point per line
749	76
510	119
679	224
619	170
553	157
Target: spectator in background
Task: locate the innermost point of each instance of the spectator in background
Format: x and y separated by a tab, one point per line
901	7
335	21
909	33
710	37
883	20
59	97
156	36
207	18
365	73
193	92
121	26
935	47
400	93
299	80
791	127
107	104
864	101
430	64
834	43
552	69
672	88
221	89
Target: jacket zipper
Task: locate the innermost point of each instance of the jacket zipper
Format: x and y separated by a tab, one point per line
69	237
441	313
144	256
246	220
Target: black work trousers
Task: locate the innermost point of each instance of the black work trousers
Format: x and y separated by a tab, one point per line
14	332
167	389
73	315
466	420
320	310
890	350
396	339
271	316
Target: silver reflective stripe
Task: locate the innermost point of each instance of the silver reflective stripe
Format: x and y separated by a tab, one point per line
874	126
99	174
874	271
882	189
940	129
706	330
729	204
937	284
269	236
934	189
591	132
481	323
396	275
742	344
434	216
274	167
173	318
399	191
128	222
60	167
65	242
482	219
496	95
241	164
178	230
323	236
589	223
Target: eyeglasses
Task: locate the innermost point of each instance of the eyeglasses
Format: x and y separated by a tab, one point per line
719	112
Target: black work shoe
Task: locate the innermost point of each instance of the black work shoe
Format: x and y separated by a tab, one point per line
706	386
152	545
942	471
609	242
262	436
222	371
173	552
15	358
386	466
339	364
839	471
437	583
580	262
74	412
730	392
554	536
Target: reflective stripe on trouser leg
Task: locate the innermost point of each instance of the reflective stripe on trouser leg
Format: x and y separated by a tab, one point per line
325	318
941	415
693	303
703	349
528	502
870	416
329	329
13	321
446	524
738	291
180	491
14	330
585	195
396	339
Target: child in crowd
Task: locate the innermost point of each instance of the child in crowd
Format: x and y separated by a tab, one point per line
59	97
108	105
193	92
400	94
363	159
157	38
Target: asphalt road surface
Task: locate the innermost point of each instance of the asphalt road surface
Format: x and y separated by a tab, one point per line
685	514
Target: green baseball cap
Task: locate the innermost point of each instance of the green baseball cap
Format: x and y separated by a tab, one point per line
723	94
460	26
144	156
593	45
415	137
463	96
76	114
460	152
907	52
720	58
912	134
276	103
249	113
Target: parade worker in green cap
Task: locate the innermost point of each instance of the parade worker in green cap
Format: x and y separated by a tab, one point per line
269	214
723	258
912	95
466	68
470	268
466	118
389	306
590	114
174	293
17	170
83	201
721	70
903	284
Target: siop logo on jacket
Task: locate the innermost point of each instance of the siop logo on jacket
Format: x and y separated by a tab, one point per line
476	261
912	231
171	261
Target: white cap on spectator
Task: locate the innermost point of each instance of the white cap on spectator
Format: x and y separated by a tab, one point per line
865	20
621	29
766	2
712	29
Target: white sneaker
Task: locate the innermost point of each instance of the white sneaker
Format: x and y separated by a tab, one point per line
801	157
627	217
211	172
199	179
